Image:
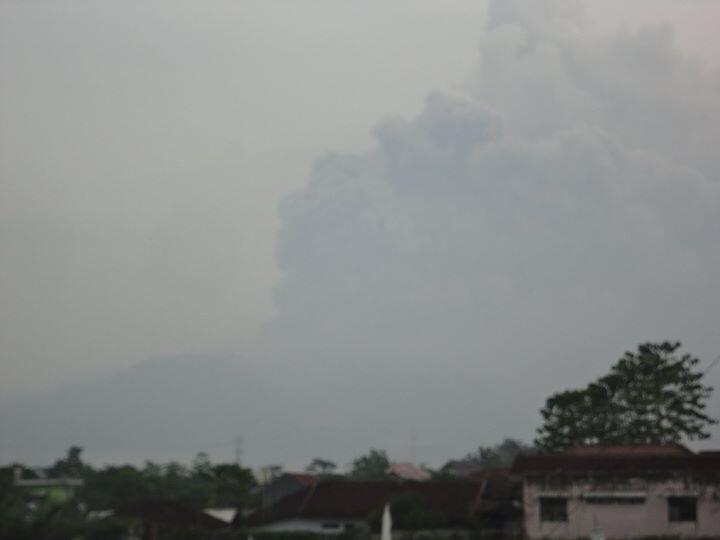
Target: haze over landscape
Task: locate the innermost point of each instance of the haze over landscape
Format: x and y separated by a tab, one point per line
328	226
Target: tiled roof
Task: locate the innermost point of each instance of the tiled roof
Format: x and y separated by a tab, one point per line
637	461
630	450
462	467
484	474
408	471
303	478
358	500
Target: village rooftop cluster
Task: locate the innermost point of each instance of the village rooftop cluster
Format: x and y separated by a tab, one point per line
599	491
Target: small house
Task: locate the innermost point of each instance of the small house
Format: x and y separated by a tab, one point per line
621	492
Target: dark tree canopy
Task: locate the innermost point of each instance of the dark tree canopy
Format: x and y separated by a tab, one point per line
410	512
321	467
70	466
371	466
652	396
28	515
500	455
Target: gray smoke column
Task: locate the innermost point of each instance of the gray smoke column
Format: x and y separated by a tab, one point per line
506	243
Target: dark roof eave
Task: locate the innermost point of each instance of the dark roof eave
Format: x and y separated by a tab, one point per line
639	465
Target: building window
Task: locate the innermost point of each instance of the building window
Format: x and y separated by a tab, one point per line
682	508
553	509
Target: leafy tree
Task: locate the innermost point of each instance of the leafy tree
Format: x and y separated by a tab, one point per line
234	485
371	466
201	466
27	516
410	512
71	465
204	484
13	507
501	455
321	467
115	485
652	396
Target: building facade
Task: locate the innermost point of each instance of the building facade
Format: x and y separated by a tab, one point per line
621	492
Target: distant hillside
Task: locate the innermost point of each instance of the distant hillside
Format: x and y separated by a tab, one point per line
168	408
329	405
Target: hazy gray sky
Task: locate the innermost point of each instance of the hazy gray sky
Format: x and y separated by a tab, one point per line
145	146
500	201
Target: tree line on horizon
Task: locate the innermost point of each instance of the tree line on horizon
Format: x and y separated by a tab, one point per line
652	396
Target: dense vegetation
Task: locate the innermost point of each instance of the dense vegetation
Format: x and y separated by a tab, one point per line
201	485
653	396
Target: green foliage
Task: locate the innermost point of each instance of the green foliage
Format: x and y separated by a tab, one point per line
13	522
108	487
26	515
44	519
501	455
371	466
233	486
653	396
104	529
410	512
71	466
204	484
321	467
